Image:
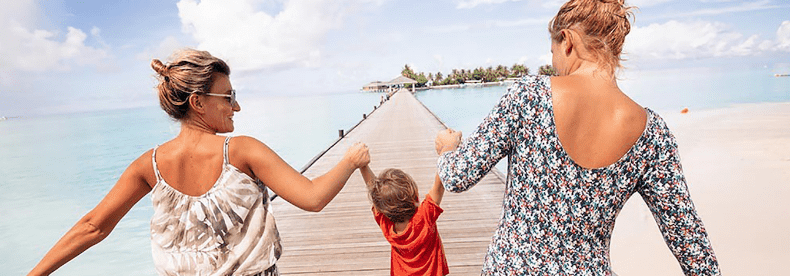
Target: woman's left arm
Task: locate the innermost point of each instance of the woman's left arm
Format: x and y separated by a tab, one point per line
664	190
99	222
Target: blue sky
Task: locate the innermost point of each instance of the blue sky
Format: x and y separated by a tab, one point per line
72	56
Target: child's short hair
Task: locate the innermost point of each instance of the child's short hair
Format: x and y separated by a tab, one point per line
394	194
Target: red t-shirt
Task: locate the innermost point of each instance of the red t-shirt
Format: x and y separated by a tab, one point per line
418	249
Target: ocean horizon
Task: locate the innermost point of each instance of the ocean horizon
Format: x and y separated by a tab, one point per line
55	168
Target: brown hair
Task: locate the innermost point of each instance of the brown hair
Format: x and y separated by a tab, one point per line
602	23
189	72
394	194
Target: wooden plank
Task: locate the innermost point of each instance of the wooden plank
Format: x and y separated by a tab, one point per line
343	239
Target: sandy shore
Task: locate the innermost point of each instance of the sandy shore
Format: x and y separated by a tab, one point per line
737	164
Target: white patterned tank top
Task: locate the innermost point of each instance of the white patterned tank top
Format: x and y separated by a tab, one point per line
226	231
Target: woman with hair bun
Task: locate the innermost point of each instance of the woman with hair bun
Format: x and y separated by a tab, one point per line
209	192
577	149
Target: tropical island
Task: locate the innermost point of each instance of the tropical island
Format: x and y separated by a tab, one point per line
457	78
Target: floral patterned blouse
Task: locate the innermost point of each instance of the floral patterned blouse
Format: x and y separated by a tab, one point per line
557	216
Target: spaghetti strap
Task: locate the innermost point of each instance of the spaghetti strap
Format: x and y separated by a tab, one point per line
225	151
156	169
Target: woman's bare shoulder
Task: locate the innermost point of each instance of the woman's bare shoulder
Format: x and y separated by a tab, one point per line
248	148
246	142
143	167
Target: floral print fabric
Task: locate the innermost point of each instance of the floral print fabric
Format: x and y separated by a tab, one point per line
557	216
226	231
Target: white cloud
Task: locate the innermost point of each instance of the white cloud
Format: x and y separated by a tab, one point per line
438	61
460	28
743	7
545	58
553	4
25	48
783	37
681	40
468	4
250	39
162	51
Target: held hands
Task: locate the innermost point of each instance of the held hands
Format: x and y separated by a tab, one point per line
358	155
447	140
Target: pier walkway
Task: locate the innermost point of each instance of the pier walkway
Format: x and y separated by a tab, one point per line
343	239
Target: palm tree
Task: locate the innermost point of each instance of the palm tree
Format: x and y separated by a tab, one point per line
547	70
407	72
501	72
519	70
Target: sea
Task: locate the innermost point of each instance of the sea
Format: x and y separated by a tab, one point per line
56	168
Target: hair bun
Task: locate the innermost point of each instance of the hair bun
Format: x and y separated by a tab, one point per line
159	67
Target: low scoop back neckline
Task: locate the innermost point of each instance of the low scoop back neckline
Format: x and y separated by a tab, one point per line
649	117
226	168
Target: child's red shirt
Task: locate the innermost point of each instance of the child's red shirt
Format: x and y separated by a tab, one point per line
418	249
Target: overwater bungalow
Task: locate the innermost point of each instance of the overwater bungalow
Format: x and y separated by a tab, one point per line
390	86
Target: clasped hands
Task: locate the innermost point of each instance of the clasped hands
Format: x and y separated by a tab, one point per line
447	140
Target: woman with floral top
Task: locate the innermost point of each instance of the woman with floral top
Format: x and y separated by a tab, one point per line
577	149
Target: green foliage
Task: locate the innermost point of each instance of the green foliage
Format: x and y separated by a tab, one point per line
547	70
460	76
421	80
518	70
477	74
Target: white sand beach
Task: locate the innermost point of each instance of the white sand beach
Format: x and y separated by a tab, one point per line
737	164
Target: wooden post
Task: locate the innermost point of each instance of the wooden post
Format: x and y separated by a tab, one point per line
340	132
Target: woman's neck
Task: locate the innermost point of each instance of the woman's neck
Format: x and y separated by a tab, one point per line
191	129
591	69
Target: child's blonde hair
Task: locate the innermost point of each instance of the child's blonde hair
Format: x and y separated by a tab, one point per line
394	194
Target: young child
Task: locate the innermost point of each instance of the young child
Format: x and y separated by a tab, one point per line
408	225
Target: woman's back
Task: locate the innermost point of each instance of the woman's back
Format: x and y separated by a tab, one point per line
192	166
596	123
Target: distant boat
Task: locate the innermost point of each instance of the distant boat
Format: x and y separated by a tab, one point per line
781	75
3	118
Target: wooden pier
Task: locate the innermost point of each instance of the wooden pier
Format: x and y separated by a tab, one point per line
343	239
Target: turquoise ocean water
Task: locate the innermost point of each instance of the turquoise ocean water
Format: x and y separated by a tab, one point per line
54	169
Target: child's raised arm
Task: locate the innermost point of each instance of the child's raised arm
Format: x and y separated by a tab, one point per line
437	191
367	175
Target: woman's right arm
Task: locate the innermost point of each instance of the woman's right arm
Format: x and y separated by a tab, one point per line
461	169
286	182
99	222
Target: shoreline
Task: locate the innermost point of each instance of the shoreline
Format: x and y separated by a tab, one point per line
468	85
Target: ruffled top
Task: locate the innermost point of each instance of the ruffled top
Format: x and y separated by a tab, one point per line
226	231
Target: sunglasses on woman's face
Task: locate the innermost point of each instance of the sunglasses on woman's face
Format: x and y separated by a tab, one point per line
231	97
